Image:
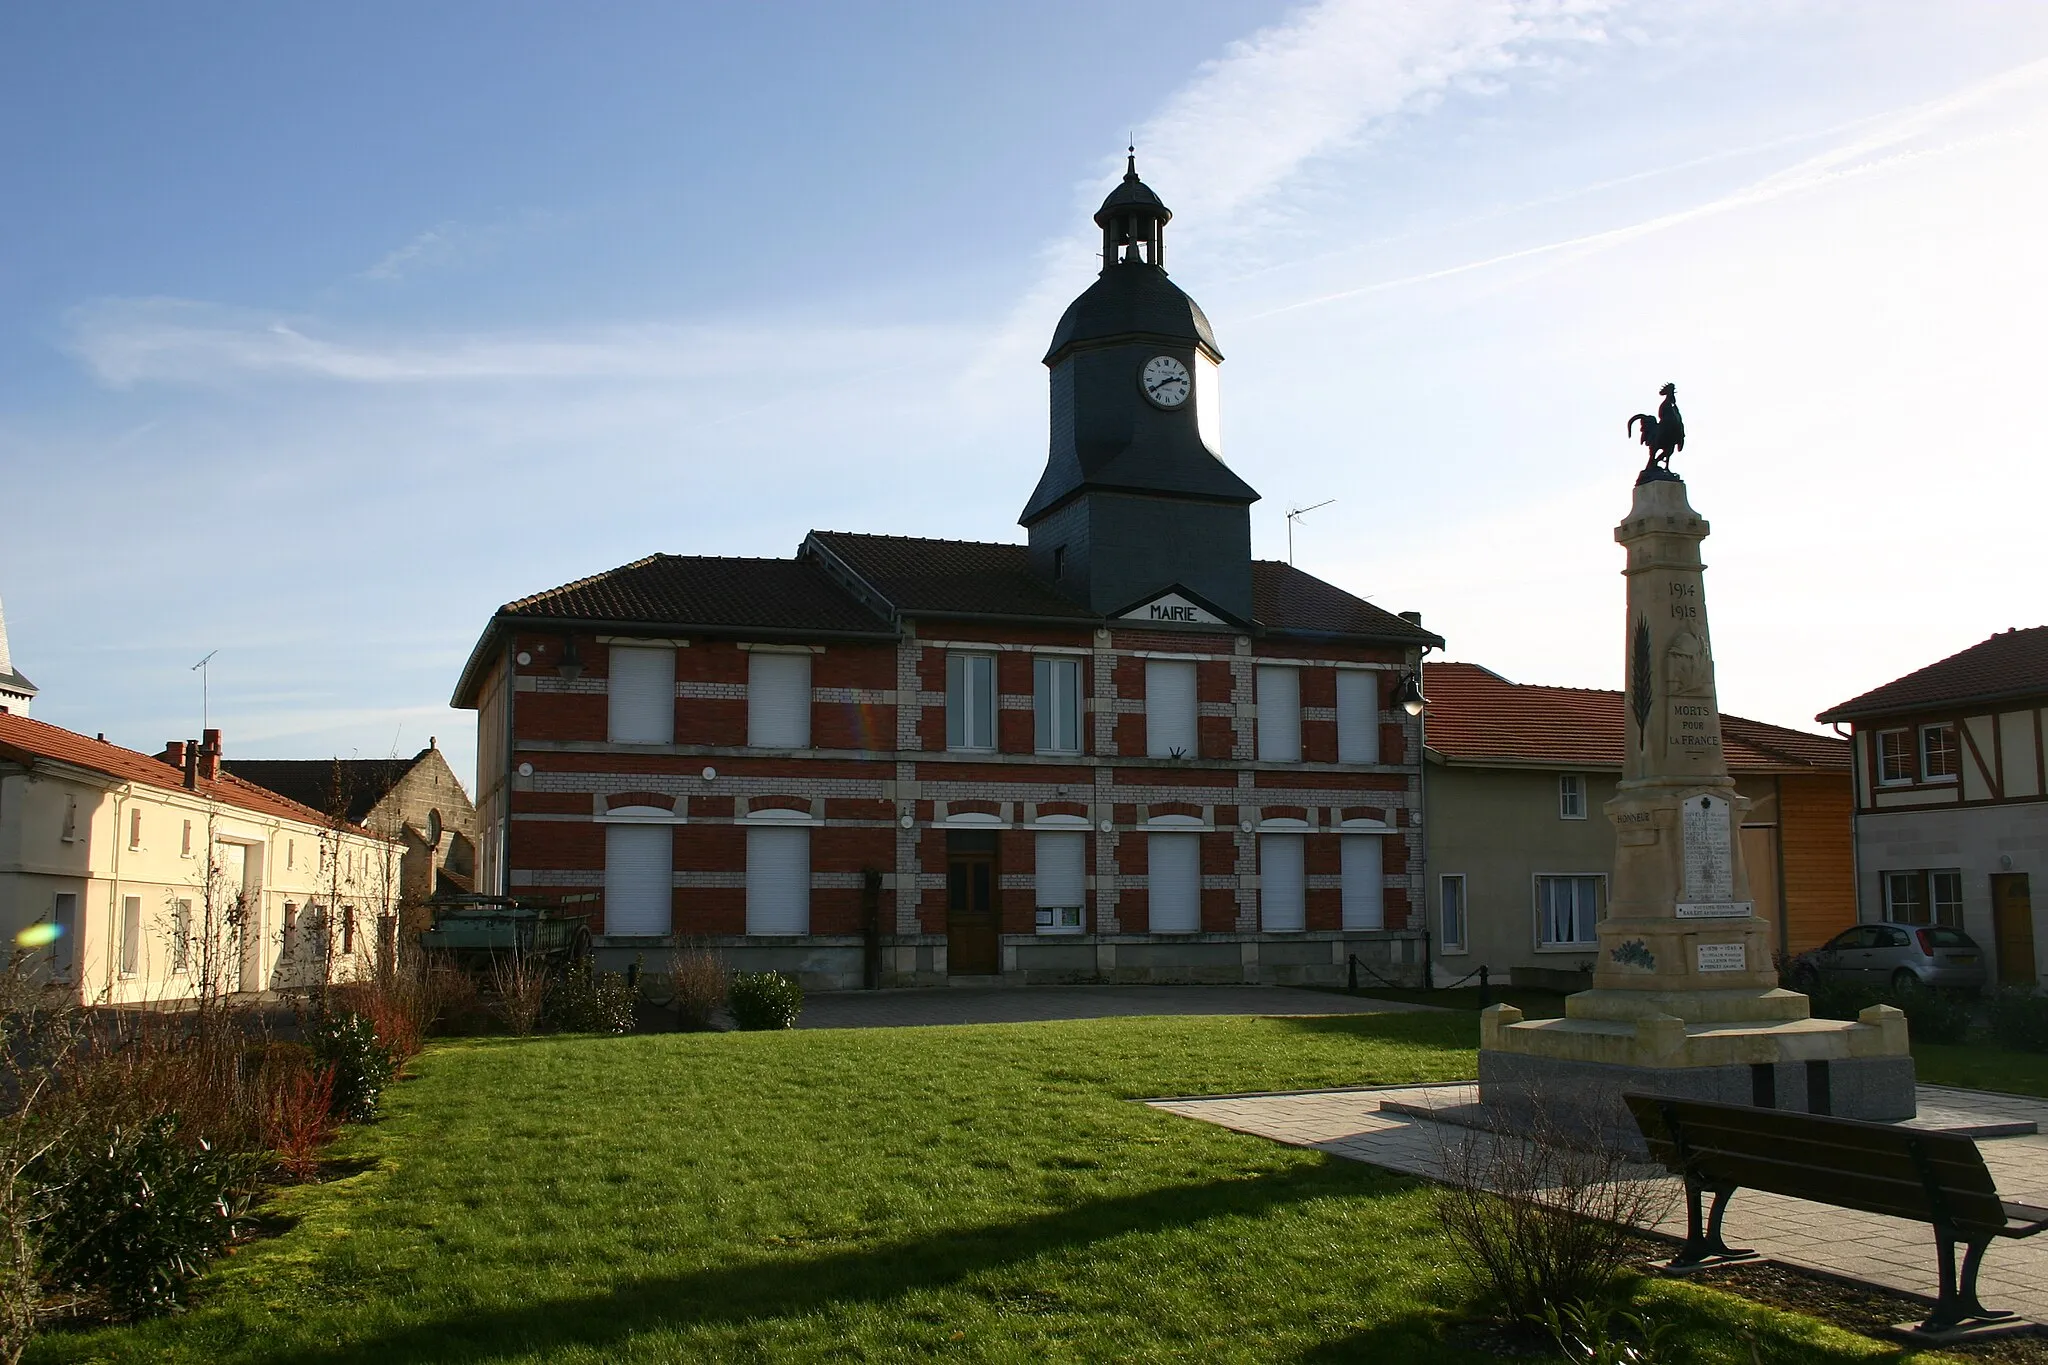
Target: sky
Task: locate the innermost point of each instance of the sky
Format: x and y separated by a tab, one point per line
325	330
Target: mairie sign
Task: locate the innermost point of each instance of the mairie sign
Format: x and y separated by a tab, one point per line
1173	609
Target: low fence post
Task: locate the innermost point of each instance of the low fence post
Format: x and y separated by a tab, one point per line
1351	965
1484	998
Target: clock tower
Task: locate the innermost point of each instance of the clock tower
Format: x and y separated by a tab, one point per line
1135	498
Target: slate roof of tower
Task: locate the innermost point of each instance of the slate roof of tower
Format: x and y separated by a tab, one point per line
1478	717
2011	664
1129	300
25	741
312	781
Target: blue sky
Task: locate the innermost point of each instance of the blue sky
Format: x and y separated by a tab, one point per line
326	329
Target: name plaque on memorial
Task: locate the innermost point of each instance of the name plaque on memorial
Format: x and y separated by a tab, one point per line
1716	909
1722	957
1709	859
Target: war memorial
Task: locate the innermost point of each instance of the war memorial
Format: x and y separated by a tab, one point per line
1685	1001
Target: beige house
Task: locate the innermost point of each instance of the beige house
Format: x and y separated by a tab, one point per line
135	878
1520	851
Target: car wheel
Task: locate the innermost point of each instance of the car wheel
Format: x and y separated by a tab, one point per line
1904	980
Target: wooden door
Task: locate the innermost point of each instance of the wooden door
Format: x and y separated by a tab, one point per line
972	909
2012	923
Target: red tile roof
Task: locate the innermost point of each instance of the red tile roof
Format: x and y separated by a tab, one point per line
2009	665
25	741
1476	716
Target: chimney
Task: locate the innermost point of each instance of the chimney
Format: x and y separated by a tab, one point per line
190	748
1413	618
174	753
209	755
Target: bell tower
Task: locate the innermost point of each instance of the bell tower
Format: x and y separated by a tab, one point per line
1135	498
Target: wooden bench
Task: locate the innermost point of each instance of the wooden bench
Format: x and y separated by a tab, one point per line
1928	1177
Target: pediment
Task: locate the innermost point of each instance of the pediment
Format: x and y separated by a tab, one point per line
1177	606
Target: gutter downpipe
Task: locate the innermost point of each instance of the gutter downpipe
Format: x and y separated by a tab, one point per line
121	793
1422	811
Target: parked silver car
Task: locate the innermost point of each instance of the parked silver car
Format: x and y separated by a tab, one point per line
1895	955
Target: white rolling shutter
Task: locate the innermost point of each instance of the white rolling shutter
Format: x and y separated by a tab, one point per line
779	881
1358	716
1283	899
1062	869
1364	889
1280	715
642	695
778	700
1170	708
639	862
1173	882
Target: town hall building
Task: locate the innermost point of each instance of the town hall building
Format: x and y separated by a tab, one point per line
1123	750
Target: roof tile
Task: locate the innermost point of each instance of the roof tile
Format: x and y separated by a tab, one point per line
2011	664
1476	716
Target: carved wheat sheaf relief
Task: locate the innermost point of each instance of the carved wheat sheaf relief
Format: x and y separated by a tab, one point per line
1644	696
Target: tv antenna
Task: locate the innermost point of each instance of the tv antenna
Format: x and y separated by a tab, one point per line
1294	515
205	705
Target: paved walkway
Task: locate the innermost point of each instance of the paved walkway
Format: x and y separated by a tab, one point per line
1023	1004
1882	1251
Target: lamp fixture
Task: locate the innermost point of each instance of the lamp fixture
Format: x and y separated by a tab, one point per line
1408	695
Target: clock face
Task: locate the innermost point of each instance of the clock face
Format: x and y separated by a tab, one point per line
1165	381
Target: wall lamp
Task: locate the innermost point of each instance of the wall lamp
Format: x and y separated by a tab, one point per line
1408	693
571	666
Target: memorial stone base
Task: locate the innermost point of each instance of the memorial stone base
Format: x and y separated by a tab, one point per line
1572	1072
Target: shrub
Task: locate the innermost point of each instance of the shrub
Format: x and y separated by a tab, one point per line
765	1000
347	1045
298	1109
521	985
589	1001
698	978
2019	1019
455	1003
1545	1214
1931	1016
132	1212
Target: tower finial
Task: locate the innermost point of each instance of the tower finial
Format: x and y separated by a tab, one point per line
1131	158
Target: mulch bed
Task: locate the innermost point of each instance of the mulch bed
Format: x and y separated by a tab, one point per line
1858	1308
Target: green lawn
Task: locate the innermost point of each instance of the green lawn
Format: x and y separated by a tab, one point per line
980	1193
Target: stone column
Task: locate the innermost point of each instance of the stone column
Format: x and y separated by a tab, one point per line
1681	936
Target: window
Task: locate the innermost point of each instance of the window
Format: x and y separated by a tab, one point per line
641	695
1358	716
639	880
64	917
970	701
1061	881
185	841
291	853
1571	796
1279	698
1567	909
1282	885
1170	730
1451	912
70	832
778	700
131	935
134	829
289	940
1056	705
779	881
1173	883
1924	896
348	930
1362	882
1059	562
1938	752
1894	756
181	935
